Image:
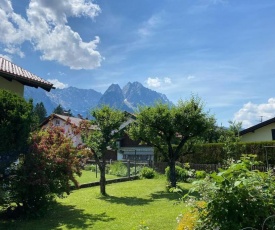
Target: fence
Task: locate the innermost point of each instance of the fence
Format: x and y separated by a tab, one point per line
125	168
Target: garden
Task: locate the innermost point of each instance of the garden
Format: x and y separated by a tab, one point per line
42	172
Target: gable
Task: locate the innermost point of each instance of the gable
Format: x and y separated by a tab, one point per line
263	133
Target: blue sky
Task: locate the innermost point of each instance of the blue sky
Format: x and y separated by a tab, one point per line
221	50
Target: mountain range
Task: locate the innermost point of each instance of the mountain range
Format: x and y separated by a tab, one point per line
81	101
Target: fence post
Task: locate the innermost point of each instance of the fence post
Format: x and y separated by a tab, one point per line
128	167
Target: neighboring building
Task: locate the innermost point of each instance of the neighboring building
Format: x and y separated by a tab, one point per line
13	78
133	150
68	123
264	131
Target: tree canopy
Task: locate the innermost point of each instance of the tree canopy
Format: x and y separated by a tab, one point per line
40	112
15	126
168	128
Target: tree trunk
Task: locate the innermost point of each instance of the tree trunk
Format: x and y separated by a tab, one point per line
172	178
102	179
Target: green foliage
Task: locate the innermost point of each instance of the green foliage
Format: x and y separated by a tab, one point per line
181	173
40	111
15	126
59	110
164	125
45	172
236	197
90	167
118	168
147	173
107	122
200	174
214	153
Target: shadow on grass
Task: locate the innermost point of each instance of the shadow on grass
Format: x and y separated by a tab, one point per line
127	200
173	196
60	215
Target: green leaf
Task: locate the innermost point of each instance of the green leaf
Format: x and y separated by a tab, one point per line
237	183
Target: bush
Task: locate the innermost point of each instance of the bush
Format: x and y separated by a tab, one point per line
147	173
236	198
90	167
118	168
181	173
200	174
45	172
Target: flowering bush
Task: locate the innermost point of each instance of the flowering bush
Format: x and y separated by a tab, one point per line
46	171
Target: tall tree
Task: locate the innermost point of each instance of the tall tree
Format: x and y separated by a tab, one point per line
15	126
40	112
59	110
107	122
168	128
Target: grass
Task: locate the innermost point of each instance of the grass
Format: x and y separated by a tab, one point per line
89	176
127	205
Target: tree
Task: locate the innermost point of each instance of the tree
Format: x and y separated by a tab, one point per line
61	111
45	171
168	128
40	112
15	126
108	122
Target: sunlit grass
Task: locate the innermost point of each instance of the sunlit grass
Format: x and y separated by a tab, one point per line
89	176
126	206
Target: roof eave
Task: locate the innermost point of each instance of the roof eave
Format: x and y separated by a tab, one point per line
27	82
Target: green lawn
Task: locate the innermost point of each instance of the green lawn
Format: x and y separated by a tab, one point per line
89	176
128	204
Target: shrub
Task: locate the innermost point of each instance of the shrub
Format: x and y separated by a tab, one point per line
45	172
236	197
200	174
181	173
118	168
147	173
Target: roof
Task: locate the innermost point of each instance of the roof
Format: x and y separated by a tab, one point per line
11	72
258	126
71	120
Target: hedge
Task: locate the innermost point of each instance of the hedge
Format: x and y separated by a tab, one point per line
213	153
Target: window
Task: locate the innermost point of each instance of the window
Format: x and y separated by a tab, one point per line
273	134
57	122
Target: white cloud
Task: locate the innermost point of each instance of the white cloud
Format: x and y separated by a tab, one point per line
6	57
251	114
157	82
47	30
153	82
57	84
149	25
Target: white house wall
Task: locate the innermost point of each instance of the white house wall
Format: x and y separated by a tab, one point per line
68	130
261	134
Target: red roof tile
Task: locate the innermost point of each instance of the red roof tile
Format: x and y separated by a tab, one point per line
11	71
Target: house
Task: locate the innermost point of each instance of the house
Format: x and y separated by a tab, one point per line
128	149
14	78
68	123
264	131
